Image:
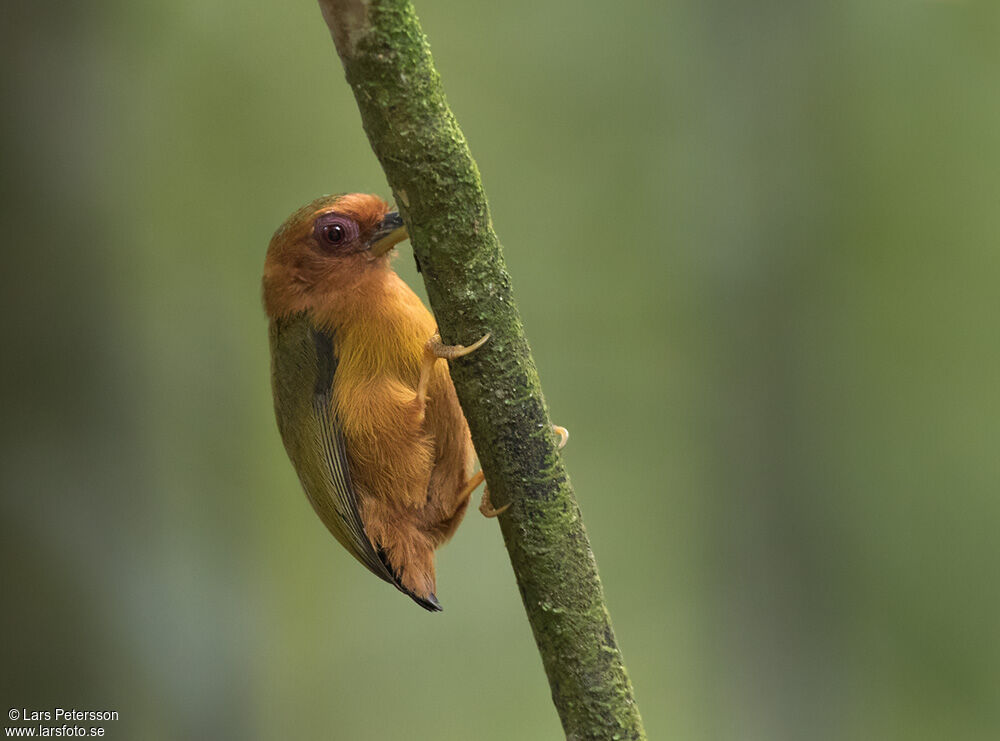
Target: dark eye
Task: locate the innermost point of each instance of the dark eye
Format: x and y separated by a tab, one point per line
335	231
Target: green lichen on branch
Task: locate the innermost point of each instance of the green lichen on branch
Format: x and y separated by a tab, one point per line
437	187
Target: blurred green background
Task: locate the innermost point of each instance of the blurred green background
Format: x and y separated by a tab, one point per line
755	246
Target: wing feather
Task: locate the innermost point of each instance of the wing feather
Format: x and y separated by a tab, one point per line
303	368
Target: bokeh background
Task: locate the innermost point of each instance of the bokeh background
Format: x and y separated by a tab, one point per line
755	246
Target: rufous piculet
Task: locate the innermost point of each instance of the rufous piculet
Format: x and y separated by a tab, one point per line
368	416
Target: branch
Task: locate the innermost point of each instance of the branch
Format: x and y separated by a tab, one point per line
437	187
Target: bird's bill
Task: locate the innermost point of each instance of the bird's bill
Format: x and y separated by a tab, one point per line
390	232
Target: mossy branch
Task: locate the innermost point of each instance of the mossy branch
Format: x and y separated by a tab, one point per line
437	187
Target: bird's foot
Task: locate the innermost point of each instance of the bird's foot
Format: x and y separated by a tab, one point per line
563	434
484	505
434	350
487	508
439	350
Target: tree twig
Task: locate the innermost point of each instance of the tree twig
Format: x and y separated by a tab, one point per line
437	187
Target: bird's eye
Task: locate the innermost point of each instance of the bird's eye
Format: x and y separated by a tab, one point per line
335	232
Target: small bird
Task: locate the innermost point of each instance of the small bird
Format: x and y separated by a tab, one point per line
369	418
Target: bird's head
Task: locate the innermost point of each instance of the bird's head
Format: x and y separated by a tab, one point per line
326	249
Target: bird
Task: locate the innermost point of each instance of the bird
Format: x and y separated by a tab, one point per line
368	416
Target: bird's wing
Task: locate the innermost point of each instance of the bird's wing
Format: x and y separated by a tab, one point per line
303	368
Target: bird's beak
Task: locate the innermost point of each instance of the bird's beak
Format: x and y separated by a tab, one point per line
390	232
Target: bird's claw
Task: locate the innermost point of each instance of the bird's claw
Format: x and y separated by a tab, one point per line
486	507
433	351
449	352
563	434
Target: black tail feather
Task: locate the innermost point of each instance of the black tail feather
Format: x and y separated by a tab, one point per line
430	604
